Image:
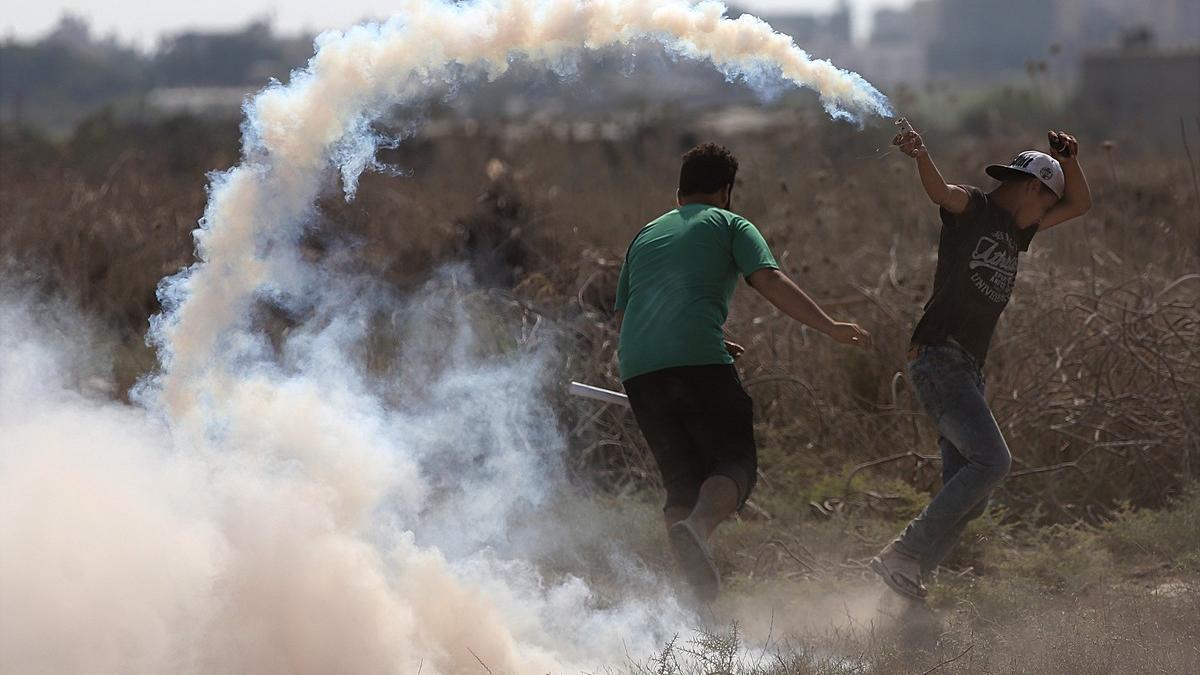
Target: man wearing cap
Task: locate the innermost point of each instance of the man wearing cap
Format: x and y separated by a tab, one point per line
982	235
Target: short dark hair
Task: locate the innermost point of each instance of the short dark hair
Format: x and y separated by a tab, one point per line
708	167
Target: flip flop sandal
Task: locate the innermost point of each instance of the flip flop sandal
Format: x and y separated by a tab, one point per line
898	582
697	562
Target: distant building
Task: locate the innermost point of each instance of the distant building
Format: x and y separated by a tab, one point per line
819	34
1095	23
996	39
990	37
898	50
888	65
1142	90
917	24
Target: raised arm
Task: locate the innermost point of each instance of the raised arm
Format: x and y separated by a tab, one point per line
950	197
782	292
1077	196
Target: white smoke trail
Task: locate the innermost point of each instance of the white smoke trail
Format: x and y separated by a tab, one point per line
265	510
295	134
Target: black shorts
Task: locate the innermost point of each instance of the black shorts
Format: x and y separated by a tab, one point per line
699	422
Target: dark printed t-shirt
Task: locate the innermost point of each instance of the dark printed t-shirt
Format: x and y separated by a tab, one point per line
976	269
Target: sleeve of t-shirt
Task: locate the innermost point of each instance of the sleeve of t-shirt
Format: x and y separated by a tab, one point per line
750	250
623	286
975	200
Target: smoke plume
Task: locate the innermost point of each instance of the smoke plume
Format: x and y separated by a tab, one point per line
295	134
268	505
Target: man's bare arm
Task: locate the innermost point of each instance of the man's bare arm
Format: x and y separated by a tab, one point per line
1077	195
782	292
950	197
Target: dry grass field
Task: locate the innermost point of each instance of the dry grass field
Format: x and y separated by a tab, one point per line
1090	563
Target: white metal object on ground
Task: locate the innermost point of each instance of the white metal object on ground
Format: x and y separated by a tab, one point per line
606	395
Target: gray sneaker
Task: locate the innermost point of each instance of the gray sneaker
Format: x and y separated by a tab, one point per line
900	571
696	560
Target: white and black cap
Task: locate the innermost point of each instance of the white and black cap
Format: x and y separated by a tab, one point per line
1032	163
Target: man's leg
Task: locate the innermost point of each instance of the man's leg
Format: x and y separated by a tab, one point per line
967	423
721	427
718	500
660	401
654	399
719	496
682	478
953	461
689	542
950	389
719	418
943	546
674	514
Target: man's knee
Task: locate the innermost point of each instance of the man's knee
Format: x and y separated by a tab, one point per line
744	475
1000	465
993	459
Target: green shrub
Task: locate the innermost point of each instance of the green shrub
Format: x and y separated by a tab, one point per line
1171	535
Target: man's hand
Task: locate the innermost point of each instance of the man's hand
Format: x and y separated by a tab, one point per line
911	144
950	197
850	334
1077	196
782	292
1062	145
734	349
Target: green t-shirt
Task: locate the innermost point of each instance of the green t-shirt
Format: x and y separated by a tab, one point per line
675	286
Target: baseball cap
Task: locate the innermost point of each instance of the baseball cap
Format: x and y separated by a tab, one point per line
1032	163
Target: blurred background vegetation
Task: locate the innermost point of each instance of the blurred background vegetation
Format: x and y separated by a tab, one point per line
537	182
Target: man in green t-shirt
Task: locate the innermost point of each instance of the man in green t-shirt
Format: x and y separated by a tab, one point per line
672	301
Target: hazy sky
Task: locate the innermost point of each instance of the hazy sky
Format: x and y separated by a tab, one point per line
141	21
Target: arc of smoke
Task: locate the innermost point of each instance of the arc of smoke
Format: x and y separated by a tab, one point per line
295	133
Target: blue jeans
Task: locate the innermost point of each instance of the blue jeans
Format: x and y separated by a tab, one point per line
975	457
